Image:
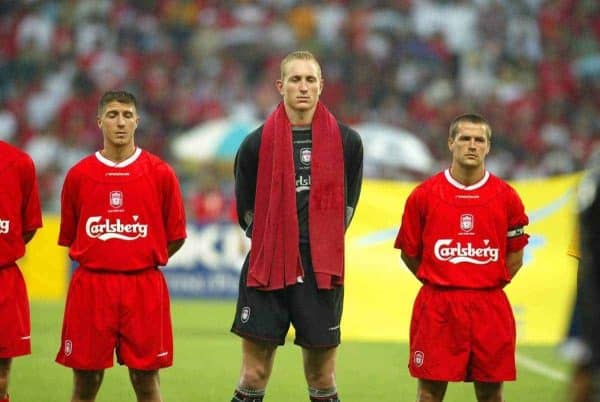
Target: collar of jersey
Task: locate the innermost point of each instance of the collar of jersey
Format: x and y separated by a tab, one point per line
121	164
461	186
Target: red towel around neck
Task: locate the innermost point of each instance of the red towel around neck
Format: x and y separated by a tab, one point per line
274	257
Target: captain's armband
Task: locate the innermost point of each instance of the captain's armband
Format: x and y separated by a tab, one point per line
515	232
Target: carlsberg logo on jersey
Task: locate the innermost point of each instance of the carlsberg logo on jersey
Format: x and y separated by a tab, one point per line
4	226
104	230
456	253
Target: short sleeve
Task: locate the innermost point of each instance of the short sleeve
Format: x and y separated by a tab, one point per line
409	238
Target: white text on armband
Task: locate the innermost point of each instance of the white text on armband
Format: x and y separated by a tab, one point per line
516	232
114	230
4	226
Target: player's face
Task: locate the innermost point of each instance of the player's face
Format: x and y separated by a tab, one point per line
470	145
301	85
118	123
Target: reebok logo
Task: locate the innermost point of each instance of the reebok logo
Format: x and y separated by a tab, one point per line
456	253
4	226
97	228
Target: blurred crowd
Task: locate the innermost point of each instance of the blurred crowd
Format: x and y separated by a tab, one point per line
532	67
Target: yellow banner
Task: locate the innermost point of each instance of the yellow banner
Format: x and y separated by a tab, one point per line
45	264
380	290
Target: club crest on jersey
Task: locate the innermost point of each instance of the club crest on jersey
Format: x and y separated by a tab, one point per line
419	358
467	222
305	156
68	347
116	199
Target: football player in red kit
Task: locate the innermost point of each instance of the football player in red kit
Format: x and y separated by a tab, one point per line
20	217
462	235
122	217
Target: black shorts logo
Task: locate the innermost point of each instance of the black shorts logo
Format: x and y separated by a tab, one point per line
245	315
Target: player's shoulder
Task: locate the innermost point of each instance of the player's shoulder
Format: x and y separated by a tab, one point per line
428	187
499	185
252	140
349	134
155	163
12	154
82	166
431	182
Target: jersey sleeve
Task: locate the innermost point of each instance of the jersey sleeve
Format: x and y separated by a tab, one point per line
31	210
173	208
353	164
245	171
411	229
517	220
69	210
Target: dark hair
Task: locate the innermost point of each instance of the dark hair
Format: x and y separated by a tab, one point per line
119	96
470	118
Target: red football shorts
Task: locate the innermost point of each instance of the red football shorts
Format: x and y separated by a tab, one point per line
124	312
15	326
462	335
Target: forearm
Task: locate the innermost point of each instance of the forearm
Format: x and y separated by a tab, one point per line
174	246
514	262
412	263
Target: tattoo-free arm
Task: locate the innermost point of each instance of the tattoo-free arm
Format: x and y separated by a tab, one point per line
514	261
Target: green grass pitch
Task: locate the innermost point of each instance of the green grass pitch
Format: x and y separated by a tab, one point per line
207	361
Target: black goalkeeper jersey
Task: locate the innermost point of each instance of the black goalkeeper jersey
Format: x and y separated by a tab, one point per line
246	167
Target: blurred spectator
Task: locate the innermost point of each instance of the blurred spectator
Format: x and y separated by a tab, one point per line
533	66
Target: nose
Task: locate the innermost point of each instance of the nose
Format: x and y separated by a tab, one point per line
303	85
120	120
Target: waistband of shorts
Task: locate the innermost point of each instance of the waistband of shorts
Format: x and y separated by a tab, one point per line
460	288
8	265
114	271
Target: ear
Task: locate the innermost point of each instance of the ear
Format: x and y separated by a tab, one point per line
450	142
279	86
321	86
99	122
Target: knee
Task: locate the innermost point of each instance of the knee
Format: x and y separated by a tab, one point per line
145	383
4	370
492	393
431	391
254	377
87	384
320	378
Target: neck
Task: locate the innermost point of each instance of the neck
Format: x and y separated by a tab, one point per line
467	177
118	154
300	118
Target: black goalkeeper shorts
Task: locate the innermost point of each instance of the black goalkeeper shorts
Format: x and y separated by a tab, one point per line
266	315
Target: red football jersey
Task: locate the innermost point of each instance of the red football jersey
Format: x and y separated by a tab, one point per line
120	216
20	210
463	233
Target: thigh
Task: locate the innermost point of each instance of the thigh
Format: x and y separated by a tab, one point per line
15	336
145	332
439	336
90	321
261	316
315	313
494	339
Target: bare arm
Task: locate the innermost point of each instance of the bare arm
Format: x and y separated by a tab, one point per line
514	261
174	245
411	262
27	236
